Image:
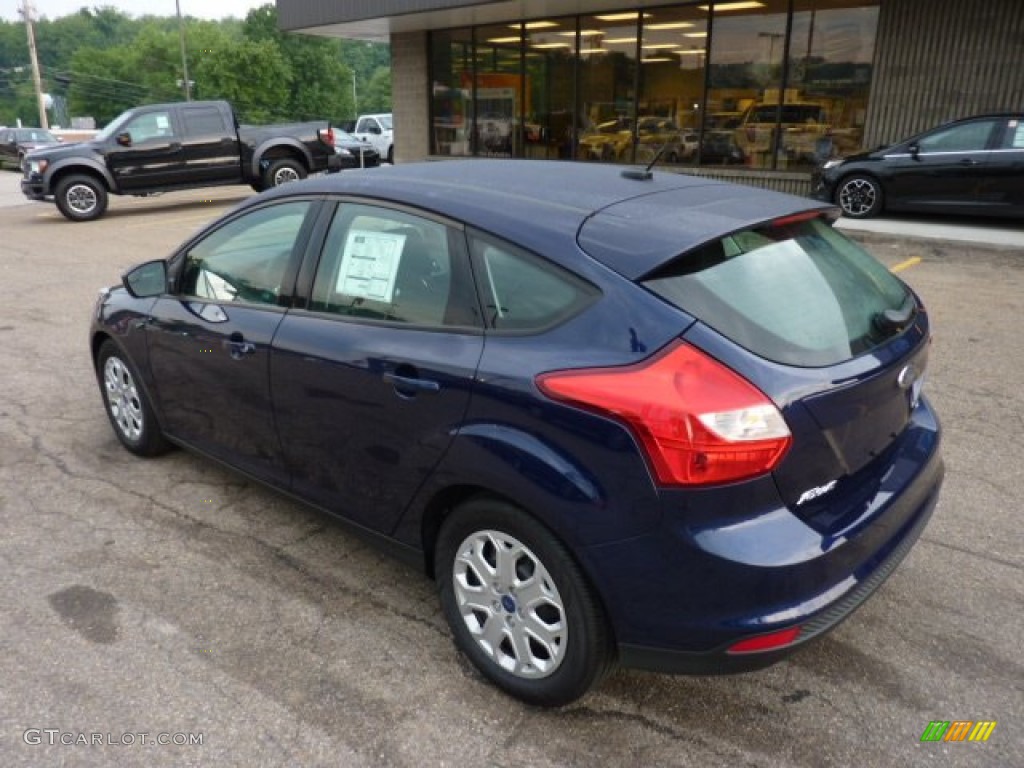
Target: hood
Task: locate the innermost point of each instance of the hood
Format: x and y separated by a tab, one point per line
54	152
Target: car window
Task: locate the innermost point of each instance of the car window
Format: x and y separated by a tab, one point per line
523	291
1014	135
799	294
203	121
389	265
965	137
151	125
246	259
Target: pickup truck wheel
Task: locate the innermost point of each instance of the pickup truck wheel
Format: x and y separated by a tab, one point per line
391	155
283	171
81	198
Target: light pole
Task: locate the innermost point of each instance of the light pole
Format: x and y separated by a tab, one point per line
185	84
355	106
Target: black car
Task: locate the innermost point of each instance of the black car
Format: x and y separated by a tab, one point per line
15	143
353	152
970	166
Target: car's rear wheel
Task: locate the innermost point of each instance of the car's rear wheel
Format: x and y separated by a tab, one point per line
391	155
283	171
127	405
81	197
860	197
518	605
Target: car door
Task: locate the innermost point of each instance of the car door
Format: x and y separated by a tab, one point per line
945	170
147	152
372	378
209	341
211	151
368	129
1006	170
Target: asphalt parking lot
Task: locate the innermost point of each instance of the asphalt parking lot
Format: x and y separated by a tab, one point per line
169	597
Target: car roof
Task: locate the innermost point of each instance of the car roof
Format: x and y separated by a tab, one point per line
550	207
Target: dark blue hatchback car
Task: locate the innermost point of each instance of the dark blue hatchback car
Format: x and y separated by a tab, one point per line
618	416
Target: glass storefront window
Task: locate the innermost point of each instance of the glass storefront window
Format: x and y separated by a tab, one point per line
830	54
715	83
672	71
748	48
451	59
498	90
548	131
608	78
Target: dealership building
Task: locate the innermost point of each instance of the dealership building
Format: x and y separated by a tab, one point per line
750	90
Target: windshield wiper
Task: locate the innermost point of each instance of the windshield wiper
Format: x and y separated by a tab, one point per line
894	320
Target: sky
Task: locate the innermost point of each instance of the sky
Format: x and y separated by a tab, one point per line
203	9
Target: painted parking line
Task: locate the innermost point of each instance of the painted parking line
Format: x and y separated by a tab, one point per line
911	262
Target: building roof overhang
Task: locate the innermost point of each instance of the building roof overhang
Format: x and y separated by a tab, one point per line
377	20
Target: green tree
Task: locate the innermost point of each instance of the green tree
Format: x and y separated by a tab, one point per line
377	96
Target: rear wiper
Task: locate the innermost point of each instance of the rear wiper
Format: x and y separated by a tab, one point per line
894	320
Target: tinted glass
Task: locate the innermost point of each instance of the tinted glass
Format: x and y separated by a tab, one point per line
246	259
383	264
966	137
800	294
203	121
524	292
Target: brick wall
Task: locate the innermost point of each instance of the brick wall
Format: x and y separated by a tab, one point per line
410	91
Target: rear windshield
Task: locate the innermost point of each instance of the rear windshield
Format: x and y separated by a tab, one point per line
800	294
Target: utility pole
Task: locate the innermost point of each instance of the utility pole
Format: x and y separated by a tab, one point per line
27	12
185	84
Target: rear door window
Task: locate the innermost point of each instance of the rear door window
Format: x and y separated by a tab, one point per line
800	293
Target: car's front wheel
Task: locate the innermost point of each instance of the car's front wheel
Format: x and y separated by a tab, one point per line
81	197
518	605
860	196
127	405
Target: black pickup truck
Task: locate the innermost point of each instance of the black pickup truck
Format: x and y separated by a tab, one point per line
165	147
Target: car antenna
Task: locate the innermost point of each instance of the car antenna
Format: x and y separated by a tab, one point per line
644	174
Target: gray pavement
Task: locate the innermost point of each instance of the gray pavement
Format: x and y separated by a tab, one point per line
171	596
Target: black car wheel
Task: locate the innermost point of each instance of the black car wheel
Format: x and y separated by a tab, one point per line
127	405
518	605
283	171
860	197
81	197
391	155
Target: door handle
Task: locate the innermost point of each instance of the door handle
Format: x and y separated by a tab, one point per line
410	385
238	347
968	161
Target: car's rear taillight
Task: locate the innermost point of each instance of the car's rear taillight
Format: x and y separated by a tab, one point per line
698	421
327	136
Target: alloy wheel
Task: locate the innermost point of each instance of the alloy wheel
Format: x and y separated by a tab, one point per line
81	198
510	604
123	399
858	197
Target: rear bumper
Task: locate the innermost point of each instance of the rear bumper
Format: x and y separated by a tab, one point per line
681	597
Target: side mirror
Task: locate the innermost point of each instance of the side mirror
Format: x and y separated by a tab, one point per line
147	280
374	129
124	139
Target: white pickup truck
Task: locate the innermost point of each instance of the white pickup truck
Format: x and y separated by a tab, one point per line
377	130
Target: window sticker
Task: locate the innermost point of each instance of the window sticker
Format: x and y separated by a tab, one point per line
1018	134
162	122
369	264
